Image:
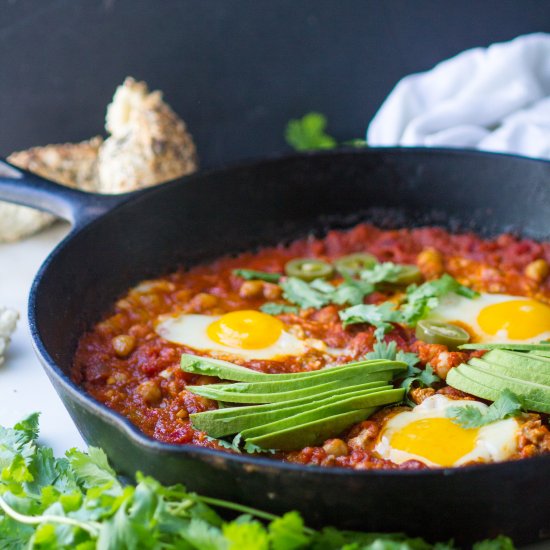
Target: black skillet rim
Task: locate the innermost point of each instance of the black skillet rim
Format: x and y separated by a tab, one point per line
133	433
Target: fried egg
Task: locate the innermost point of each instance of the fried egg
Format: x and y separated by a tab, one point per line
427	434
247	334
496	317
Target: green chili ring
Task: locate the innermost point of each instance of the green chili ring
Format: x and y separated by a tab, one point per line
438	332
353	264
308	269
408	275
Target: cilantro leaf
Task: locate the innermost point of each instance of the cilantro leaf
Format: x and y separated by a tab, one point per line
303	294
420	300
272	308
246	535
469	416
91	469
381	316
499	543
251	274
288	533
351	291
388	350
383	350
386	272
424	378
29	426
308	133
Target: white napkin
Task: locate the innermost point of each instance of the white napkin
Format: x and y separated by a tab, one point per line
495	98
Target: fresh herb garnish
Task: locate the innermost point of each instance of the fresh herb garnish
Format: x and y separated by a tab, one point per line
381	316
272	308
308	133
386	272
79	503
424	378
251	274
303	294
420	300
469	416
388	350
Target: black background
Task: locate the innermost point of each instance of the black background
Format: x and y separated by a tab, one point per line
235	70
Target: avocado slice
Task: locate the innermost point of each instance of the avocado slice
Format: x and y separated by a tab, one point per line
458	380
220	419
542	346
514	370
518	361
348	404
229	371
312	433
539	354
216	426
219	394
536	396
277	386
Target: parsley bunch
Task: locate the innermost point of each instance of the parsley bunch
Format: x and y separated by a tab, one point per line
77	502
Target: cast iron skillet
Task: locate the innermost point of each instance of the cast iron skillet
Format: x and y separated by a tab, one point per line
119	241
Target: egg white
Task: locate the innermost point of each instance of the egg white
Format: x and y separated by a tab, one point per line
494	443
453	308
190	330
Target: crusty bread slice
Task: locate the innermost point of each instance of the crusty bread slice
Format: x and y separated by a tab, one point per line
149	143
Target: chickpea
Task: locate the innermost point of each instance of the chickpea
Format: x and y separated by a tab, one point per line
150	392
203	301
430	262
251	289
336	447
123	344
272	291
117	377
537	270
182	414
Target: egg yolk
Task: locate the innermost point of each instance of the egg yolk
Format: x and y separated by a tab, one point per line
521	319
439	440
245	330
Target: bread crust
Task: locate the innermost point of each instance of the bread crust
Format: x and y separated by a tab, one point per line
148	144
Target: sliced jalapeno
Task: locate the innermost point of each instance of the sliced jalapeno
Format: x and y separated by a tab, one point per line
408	275
308	269
438	332
353	264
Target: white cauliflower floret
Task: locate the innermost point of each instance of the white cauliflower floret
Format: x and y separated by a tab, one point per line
8	320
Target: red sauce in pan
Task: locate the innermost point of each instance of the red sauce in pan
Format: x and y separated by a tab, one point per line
123	363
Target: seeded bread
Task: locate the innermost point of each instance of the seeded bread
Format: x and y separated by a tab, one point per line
148	144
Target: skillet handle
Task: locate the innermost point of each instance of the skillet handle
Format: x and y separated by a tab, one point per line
77	207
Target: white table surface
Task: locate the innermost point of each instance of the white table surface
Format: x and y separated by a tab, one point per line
24	387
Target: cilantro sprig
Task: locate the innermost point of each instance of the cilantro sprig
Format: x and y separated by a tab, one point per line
78	502
308	134
425	377
470	416
418	302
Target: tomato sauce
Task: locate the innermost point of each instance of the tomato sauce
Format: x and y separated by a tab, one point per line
123	363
